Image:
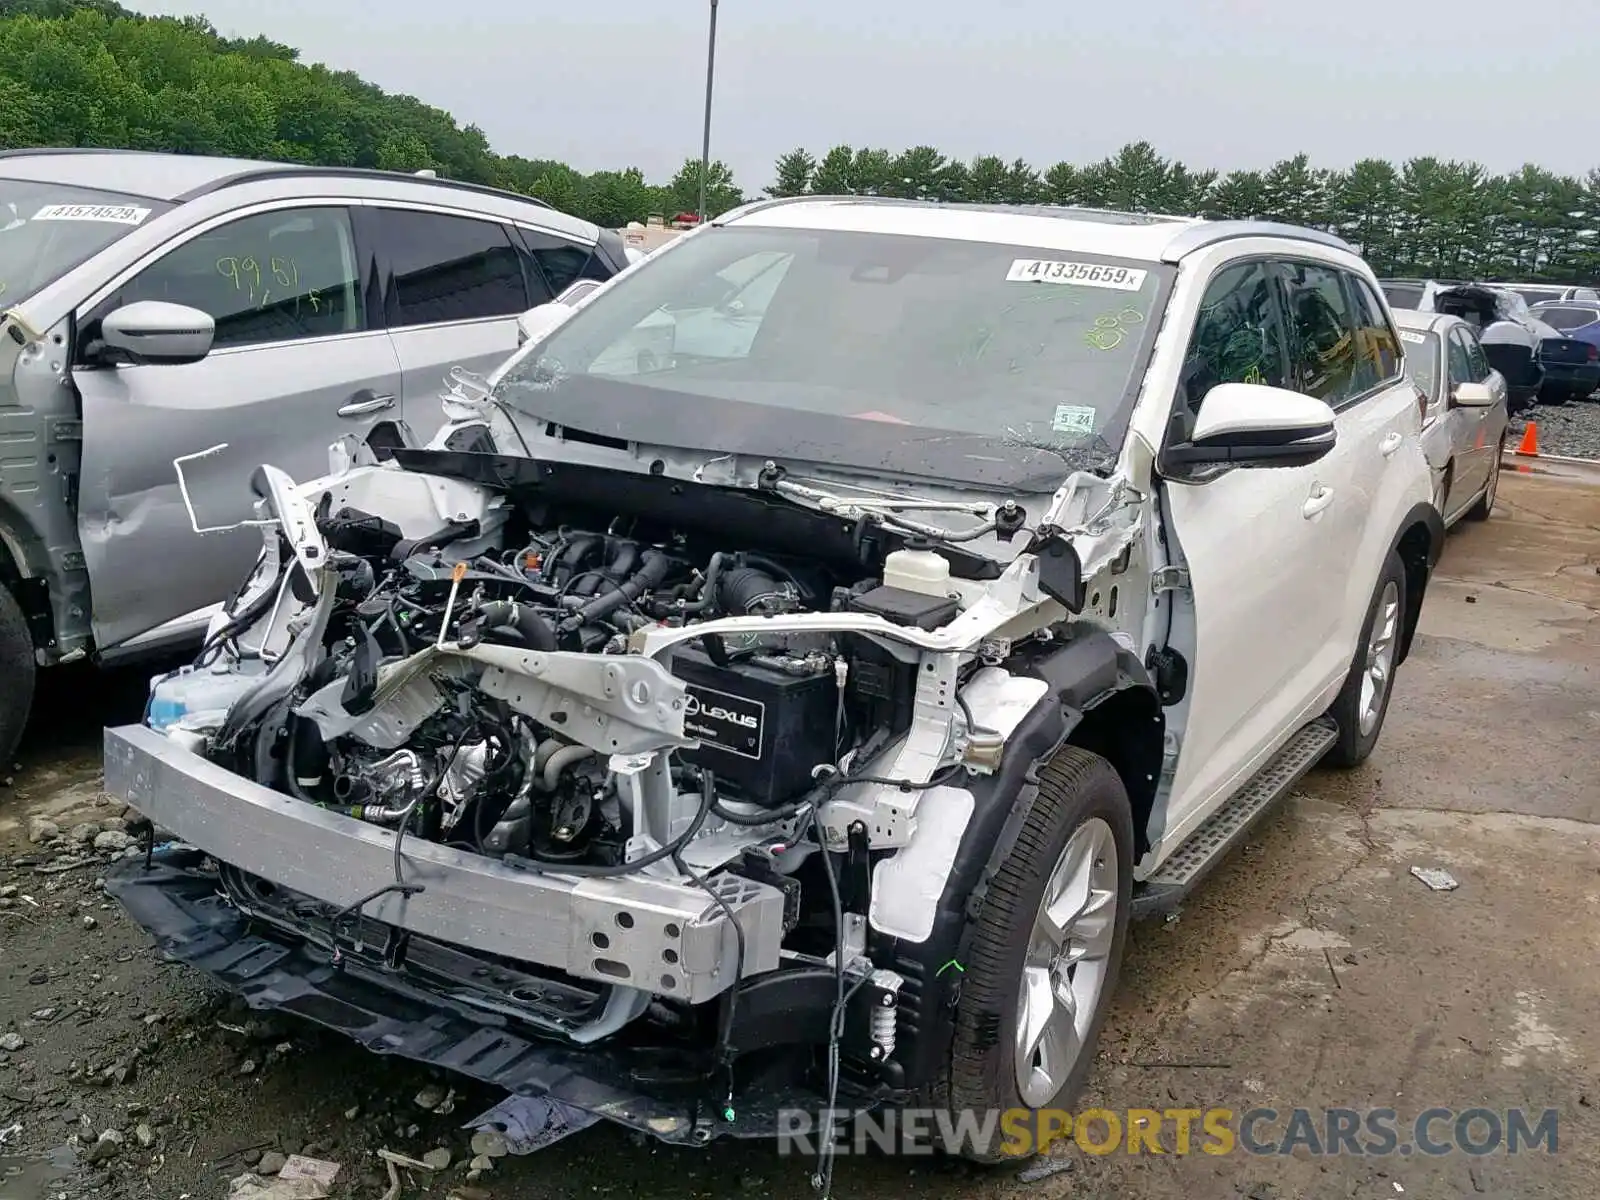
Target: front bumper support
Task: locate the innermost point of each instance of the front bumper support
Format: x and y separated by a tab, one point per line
657	935
179	903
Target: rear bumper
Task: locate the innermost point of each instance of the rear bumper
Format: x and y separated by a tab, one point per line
178	902
659	936
1579	377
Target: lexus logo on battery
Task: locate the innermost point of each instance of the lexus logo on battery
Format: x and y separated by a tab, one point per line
715	712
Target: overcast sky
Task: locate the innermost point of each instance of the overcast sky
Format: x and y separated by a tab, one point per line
1223	83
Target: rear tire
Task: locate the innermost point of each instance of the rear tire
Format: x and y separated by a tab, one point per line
1070	873
1364	702
17	673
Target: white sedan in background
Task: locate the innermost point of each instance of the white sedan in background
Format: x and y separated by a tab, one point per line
1464	427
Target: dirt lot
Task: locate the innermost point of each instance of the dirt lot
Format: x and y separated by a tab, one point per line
1312	970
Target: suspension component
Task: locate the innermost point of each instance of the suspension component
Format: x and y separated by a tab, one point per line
885	1001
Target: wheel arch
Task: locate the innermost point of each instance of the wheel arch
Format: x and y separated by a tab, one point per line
1098	697
27	579
1418	543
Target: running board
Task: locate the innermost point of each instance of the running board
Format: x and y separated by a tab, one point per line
1230	824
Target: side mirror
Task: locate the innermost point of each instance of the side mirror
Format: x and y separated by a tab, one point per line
537	322
1472	395
154	331
1252	425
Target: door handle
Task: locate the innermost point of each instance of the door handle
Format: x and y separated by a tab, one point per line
1391	443
1317	501
365	402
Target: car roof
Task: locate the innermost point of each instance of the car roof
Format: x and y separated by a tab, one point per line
1423	322
1145	237
175	178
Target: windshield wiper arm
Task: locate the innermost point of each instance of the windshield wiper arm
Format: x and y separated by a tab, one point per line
1005	519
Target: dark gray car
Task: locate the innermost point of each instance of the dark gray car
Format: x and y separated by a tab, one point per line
154	307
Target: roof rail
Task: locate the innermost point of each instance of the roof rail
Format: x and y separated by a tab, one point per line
41	151
1063	212
755	206
288	170
1207	233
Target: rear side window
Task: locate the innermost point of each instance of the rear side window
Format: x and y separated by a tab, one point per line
1239	334
1379	346
446	268
557	260
1475	355
272	277
1460	362
1566	319
1326	357
1402	295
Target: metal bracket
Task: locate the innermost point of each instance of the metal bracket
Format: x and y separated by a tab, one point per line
1169	579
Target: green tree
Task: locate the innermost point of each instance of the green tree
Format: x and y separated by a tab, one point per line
873	172
988	178
558	186
1236	196
835	175
793	174
920	174
1135	179
721	194
1295	193
1365	208
613	198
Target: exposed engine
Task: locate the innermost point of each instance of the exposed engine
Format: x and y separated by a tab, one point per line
446	759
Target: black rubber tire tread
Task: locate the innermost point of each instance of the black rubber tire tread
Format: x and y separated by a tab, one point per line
1351	749
17	673
1074	786
1482	507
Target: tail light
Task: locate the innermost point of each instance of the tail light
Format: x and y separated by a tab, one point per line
1594	352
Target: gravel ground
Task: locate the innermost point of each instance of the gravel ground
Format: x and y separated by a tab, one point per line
1571	430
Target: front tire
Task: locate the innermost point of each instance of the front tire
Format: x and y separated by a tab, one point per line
16	677
1046	948
1364	702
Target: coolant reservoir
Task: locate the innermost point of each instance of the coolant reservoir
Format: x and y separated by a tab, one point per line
197	699
917	571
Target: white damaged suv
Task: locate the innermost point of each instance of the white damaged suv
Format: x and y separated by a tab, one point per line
779	685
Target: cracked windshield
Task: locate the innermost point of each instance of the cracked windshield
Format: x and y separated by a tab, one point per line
972	338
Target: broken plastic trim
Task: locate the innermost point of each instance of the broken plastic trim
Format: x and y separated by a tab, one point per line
177	902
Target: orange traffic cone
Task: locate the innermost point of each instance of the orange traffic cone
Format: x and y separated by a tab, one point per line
1530	440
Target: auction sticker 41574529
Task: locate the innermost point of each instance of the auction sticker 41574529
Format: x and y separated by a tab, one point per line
1080	274
116	214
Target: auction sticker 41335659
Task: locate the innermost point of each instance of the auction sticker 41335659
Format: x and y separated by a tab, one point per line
1079	274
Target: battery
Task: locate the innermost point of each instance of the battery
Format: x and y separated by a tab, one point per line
761	731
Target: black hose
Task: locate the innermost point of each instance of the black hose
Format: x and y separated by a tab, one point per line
305	759
739	589
708	589
534	631
786	813
648	577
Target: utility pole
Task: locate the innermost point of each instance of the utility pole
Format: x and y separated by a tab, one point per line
705	145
